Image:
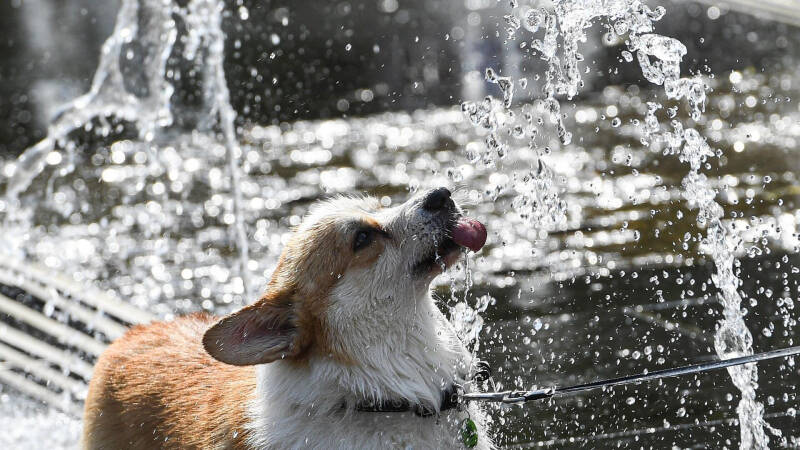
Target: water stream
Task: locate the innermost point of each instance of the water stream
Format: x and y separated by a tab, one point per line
563	28
132	84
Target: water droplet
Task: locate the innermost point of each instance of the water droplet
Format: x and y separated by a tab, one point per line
627	56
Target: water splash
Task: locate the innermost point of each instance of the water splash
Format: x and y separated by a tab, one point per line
132	84
732	337
149	109
564	28
536	191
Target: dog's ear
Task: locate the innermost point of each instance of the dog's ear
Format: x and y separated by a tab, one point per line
258	334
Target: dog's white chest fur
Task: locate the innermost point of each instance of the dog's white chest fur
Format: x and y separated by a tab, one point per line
302	408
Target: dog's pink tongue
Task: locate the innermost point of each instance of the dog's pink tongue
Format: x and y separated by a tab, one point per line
469	233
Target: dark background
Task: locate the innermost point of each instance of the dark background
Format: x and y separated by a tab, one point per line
290	59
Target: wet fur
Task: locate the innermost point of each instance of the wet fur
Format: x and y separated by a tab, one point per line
335	327
157	388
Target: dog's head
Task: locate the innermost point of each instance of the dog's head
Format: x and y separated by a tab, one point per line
352	268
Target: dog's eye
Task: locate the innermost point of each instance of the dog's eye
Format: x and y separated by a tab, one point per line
363	239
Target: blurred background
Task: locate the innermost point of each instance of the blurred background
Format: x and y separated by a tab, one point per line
363	96
293	60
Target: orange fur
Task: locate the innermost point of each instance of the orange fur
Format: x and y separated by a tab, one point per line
321	268
155	387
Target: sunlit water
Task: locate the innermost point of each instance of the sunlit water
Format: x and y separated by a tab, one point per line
564	29
593	266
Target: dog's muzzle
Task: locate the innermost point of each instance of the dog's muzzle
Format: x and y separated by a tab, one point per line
457	231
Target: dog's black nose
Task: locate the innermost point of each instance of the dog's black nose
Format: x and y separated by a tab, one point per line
437	199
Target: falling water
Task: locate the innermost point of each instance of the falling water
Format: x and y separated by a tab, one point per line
564	27
151	25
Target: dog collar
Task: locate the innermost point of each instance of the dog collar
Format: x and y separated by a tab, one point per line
449	401
450	398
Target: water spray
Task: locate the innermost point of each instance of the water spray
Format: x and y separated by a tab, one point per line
558	30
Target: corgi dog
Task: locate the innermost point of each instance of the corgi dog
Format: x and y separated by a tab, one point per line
346	349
